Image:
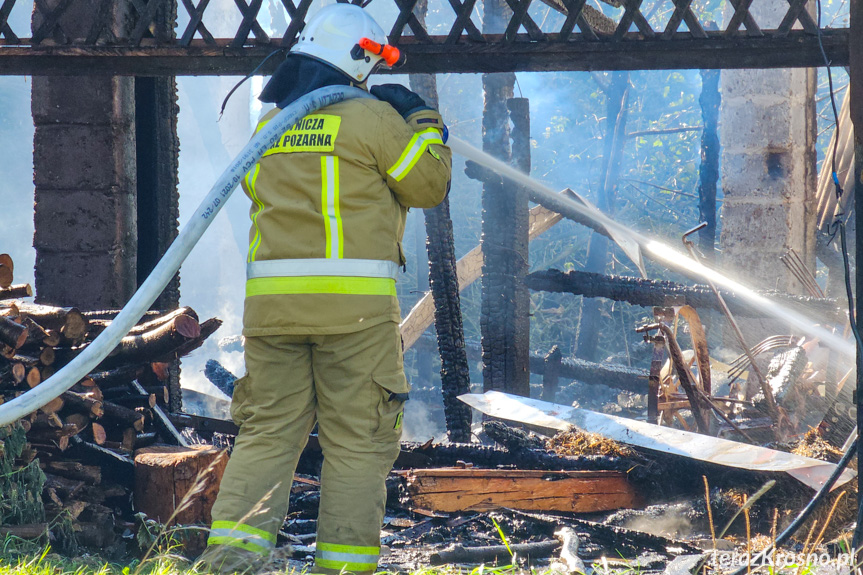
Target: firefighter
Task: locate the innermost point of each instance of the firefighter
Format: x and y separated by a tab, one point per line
322	344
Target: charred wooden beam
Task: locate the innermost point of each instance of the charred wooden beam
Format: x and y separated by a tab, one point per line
798	49
616	376
219	376
651	293
443	281
498	295
612	375
450	454
494	553
551	374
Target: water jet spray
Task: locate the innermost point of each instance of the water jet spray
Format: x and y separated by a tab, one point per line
636	245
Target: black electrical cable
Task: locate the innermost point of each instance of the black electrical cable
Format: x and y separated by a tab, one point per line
249	75
807	511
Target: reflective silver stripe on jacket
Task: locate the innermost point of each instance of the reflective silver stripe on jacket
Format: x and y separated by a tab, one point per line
322	267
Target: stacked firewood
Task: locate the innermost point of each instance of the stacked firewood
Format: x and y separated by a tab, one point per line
84	439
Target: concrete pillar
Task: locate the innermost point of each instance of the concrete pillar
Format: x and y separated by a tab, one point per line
767	134
84	174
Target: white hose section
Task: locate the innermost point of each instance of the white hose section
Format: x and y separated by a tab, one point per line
189	235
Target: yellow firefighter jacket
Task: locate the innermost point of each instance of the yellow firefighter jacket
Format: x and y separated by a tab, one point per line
329	202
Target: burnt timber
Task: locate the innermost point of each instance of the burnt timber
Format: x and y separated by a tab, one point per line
650	293
524	45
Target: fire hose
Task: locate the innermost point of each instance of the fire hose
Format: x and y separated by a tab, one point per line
189	235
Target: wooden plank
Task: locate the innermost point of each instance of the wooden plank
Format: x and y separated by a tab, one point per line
463	22
298	17
797	50
196	24
574	15
519	18
51	18
450	489
5	29
249	24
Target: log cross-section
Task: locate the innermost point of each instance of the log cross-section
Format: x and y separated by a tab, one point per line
165	475
452	489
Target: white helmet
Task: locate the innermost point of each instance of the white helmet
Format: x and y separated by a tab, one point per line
333	36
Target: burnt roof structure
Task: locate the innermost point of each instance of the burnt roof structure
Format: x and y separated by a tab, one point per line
586	40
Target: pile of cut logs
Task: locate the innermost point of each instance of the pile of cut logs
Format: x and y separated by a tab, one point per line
96	425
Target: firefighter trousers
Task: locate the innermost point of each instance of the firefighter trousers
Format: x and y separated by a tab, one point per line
354	386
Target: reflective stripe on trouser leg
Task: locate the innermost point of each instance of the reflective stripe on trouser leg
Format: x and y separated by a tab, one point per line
242	536
346	557
275	415
358	451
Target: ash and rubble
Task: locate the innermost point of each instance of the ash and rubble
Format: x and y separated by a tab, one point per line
684	503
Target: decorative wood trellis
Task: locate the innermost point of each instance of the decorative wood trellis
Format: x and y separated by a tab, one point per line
630	43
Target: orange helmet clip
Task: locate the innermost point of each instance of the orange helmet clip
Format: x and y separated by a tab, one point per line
391	55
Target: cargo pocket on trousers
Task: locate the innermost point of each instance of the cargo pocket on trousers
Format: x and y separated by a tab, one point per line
240	400
392	392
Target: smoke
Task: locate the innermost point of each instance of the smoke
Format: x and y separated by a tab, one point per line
669	522
16	185
212	280
421	423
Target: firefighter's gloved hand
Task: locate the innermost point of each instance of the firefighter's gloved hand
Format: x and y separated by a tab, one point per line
403	100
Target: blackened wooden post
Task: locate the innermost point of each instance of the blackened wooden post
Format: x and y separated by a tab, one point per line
157	155
551	374
498	297
597	253
157	150
856	87
455	374
709	171
519	113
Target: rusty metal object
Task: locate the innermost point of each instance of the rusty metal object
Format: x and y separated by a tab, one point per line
772	409
696	400
699	343
801	271
654	382
741	363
